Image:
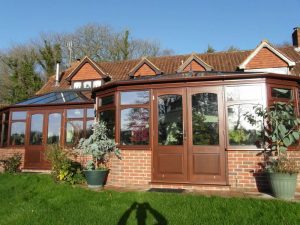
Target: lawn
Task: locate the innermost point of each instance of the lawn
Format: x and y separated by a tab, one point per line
36	199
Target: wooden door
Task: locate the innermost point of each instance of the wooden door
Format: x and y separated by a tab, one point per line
206	149
43	128
169	154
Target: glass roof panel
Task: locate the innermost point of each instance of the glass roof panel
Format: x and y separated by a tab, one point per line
56	98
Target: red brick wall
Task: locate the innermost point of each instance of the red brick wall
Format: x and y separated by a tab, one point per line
144	70
195	67
266	59
8	152
244	170
86	72
133	170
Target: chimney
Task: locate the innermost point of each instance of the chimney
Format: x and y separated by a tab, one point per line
296	37
57	74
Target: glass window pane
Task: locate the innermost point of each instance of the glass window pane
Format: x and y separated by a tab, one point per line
106	100
170	130
281	93
205	119
241	93
135	126
19	115
74	132
77	85
87	84
89	128
134	97
36	129
241	132
75	113
5	134
54	128
17	133
90	113
109	118
97	83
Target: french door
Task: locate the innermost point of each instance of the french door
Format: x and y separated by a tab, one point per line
43	128
188	136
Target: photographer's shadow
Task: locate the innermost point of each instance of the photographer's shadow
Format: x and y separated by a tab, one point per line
141	214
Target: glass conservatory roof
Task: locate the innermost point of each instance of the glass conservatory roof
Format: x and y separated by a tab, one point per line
56	98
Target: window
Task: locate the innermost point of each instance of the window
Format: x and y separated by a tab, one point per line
4	134
239	101
108	116
107	100
17	128
78	125
134	120
54	128
135	126
284	93
97	83
36	129
77	85
134	97
87	84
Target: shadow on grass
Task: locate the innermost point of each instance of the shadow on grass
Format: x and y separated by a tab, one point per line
141	214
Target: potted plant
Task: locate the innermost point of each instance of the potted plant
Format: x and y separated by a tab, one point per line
100	147
281	130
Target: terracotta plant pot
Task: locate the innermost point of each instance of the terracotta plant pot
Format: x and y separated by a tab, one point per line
95	178
283	185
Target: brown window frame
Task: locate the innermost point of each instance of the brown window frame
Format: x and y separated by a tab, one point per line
11	121
262	101
84	120
120	107
82	81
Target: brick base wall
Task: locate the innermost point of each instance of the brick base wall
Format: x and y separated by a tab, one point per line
8	152
244	170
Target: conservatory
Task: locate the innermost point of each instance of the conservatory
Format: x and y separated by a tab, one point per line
61	117
189	128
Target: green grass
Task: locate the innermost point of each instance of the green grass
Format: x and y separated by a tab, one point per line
36	199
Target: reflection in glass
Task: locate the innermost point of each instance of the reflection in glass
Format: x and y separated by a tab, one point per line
134	97
54	126
205	119
74	132
106	100
241	132
90	113
170	131
75	113
89	128
36	129
17	133
108	117
135	126
244	93
19	115
281	93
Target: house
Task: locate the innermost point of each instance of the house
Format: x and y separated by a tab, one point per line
178	119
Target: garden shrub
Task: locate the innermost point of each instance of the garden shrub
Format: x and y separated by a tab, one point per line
63	168
12	164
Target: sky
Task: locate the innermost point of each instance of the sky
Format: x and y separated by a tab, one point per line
185	26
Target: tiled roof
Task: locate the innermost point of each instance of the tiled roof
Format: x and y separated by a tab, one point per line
220	61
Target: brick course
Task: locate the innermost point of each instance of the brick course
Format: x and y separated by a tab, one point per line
194	66
8	152
144	70
86	72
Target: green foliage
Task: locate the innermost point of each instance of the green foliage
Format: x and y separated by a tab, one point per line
239	136
99	146
49	55
63	168
210	49
24	81
281	130
12	164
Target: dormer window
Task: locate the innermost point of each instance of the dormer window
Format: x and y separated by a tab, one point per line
86	84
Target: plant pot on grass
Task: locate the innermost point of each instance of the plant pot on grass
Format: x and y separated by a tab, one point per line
100	148
281	130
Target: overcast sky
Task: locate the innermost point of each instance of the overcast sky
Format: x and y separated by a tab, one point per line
185	26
